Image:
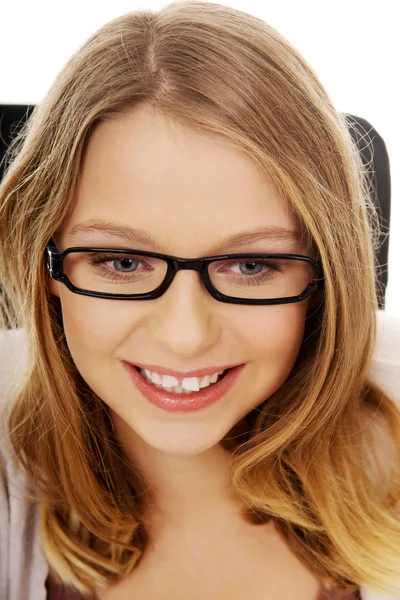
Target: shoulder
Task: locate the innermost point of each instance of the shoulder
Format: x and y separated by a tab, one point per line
13	352
385	367
13	355
22	563
13	364
13	369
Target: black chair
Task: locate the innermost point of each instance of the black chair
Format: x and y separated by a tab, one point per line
370	144
374	154
12	118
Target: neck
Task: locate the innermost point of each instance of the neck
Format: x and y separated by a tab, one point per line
183	489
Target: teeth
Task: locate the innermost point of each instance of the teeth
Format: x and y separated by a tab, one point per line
172	384
167	380
214	377
155	377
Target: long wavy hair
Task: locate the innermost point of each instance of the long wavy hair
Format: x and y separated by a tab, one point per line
332	496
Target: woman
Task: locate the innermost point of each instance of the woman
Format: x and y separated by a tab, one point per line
195	435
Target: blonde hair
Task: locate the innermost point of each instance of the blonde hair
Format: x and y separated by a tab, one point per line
220	71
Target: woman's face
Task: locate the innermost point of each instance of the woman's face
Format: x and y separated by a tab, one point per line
189	191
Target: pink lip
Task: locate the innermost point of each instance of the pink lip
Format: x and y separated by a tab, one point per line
173	402
180	374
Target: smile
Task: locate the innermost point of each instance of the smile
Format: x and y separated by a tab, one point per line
184	401
185	385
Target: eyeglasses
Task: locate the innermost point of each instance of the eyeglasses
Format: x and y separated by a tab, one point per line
128	274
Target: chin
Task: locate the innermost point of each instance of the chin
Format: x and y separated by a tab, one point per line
183	443
178	439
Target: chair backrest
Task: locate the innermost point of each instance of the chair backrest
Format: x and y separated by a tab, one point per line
374	154
368	141
12	118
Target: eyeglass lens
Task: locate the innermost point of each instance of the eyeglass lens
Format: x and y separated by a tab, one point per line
247	278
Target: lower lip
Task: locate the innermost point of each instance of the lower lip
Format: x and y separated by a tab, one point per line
174	402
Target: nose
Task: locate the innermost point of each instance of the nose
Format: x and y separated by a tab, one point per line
184	318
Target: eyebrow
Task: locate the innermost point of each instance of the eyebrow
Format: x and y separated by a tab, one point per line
140	236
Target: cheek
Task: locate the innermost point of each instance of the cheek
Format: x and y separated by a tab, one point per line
94	326
275	335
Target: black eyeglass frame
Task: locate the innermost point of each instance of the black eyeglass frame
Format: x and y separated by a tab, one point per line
54	265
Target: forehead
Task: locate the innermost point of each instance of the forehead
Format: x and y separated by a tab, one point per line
187	189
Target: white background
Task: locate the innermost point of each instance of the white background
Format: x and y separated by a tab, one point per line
352	45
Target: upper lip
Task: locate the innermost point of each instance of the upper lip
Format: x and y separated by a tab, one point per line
180	374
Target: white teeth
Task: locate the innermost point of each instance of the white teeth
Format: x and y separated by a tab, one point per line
205	382
172	384
214	377
169	381
156	378
191	383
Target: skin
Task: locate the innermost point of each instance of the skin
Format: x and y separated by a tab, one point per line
189	190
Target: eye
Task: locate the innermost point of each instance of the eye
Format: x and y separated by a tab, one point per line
125	264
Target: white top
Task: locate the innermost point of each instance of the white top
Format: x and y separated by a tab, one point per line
23	567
